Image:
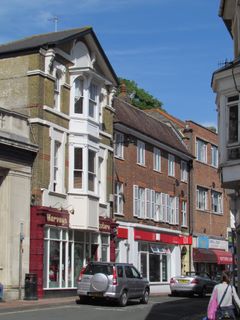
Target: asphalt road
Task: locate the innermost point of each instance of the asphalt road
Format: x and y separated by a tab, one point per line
165	308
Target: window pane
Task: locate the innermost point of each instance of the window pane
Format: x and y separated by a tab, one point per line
54	264
164	268
144	265
233	124
78	259
78	158
154	267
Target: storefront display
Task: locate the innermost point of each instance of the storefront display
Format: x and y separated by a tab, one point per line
155	261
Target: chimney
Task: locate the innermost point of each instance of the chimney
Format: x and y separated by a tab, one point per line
123	90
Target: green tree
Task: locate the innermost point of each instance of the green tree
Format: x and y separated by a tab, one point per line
139	97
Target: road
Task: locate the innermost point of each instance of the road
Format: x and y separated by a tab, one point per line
167	308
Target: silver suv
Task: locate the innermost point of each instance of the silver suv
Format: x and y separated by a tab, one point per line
119	281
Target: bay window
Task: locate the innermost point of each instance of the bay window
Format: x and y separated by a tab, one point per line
78	96
91	170
93	95
78	168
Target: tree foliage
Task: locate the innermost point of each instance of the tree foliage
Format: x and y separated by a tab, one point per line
139	97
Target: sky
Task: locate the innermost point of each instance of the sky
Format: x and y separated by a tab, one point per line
170	48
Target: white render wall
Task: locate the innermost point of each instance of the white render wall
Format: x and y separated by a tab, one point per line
14	210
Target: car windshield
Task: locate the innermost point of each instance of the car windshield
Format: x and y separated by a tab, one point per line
98	268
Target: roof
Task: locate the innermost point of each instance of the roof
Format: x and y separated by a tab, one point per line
53	39
138	120
40	40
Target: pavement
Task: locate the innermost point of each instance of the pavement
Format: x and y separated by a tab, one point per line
19	304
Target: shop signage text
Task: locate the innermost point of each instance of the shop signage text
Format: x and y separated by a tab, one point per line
57	220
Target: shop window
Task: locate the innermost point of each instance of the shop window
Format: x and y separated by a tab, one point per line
154	267
105	246
154	262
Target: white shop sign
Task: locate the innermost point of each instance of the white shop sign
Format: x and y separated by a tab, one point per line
218	244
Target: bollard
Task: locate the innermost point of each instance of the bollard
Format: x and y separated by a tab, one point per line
1	292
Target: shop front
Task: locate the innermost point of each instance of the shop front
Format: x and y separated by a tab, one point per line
58	253
156	254
211	256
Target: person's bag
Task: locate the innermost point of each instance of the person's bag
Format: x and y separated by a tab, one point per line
222	314
212	307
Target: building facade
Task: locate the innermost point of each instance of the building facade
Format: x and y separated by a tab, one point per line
209	211
225	83
63	83
151	196
17	155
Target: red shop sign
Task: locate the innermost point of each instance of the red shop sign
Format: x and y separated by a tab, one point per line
161	237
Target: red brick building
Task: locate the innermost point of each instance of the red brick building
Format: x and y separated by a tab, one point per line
151	195
209	204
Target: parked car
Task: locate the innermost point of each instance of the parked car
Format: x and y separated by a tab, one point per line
192	283
117	281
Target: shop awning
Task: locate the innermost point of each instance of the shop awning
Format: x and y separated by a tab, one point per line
212	256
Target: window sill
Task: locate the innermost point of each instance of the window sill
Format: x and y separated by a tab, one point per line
157	171
57	194
118	214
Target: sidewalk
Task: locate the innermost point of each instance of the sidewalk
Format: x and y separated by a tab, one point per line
18	304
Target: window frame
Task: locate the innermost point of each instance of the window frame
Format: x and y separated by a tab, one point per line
118	145
184	171
204	195
171	165
118	198
219	205
201	150
184	213
156	159
214	156
140	153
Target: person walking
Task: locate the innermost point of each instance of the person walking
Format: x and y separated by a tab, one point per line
222	296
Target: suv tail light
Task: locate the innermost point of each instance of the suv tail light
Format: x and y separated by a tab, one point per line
172	280
114	281
195	281
81	273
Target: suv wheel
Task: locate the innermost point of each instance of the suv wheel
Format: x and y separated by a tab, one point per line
145	297
123	299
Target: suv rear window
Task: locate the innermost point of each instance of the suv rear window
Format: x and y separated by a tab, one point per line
98	268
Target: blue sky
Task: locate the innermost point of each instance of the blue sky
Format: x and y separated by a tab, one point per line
170	48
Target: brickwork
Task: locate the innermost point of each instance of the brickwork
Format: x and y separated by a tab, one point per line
130	173
207	176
